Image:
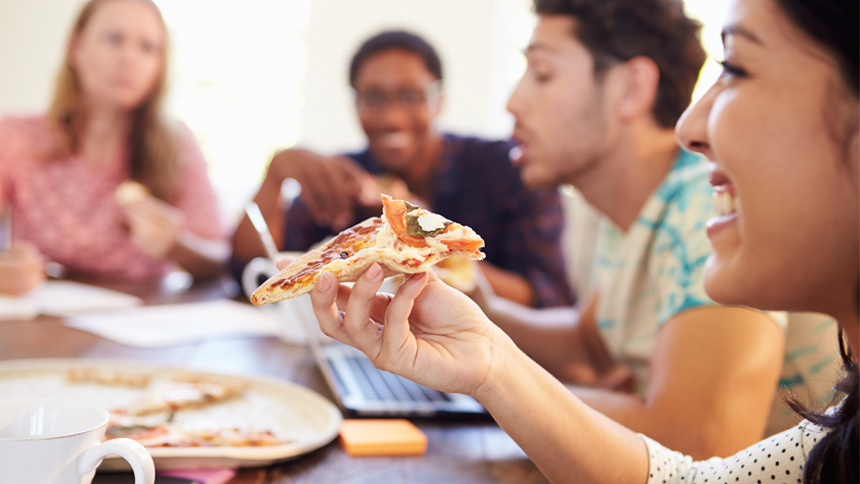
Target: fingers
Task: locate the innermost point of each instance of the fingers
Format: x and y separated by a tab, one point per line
397	329
357	322
325	309
22	269
283	263
155	225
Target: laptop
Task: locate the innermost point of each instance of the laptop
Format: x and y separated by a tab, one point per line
362	390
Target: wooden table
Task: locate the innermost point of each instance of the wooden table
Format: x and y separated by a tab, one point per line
458	452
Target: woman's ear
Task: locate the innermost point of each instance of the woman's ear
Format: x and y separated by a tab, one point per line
639	78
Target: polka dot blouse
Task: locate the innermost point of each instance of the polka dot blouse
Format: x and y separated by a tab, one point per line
778	459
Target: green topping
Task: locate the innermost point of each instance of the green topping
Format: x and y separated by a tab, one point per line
414	229
410	207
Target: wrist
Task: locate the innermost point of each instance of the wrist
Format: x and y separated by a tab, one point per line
505	364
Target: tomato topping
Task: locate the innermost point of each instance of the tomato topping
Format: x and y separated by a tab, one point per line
474	244
395	212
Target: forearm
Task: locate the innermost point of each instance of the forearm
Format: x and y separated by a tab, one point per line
550	336
566	439
202	258
246	242
509	285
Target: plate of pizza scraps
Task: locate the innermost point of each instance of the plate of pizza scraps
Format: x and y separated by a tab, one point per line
187	419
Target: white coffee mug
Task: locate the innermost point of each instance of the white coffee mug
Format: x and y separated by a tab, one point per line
59	441
296	315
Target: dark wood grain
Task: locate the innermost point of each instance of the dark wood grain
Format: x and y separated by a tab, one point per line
458	452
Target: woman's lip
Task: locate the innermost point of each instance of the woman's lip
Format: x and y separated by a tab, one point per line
717	224
716	176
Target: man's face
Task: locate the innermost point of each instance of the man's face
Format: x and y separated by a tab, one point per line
397	100
562	125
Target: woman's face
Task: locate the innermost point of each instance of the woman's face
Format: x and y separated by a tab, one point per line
782	131
119	55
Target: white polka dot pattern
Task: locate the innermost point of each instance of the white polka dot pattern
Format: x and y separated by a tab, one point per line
778	459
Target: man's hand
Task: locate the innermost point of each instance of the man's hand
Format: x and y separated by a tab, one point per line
22	269
332	187
155	225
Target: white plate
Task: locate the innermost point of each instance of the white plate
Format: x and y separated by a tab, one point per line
302	417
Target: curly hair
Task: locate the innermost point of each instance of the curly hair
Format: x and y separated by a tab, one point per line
616	31
396	39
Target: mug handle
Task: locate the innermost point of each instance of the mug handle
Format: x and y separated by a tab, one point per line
130	450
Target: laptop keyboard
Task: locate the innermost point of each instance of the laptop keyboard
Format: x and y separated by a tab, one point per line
378	385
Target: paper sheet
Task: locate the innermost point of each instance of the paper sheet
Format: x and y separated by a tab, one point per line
178	324
60	298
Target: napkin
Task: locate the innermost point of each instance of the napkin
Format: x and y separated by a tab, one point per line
60	298
178	324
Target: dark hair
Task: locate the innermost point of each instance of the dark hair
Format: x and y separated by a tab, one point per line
833	24
836	458
618	30
396	39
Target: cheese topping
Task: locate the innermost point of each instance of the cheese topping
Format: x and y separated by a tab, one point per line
430	222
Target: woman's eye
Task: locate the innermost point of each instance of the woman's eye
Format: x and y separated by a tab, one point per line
541	76
732	70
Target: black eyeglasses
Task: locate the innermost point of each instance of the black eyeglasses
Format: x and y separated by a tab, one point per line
410	99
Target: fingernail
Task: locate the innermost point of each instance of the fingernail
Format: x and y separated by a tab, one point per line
374	272
324	284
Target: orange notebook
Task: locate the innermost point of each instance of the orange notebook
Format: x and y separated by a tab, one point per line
366	437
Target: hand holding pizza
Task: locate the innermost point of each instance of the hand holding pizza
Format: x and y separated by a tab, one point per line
154	224
428	331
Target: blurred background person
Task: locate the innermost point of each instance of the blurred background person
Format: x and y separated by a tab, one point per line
397	78
103	184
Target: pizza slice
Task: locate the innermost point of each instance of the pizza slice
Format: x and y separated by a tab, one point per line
405	240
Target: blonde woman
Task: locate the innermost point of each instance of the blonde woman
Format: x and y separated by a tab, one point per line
61	173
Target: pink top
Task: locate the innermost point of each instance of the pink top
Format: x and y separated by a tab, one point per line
68	210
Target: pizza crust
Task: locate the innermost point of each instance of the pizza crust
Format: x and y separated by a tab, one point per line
381	246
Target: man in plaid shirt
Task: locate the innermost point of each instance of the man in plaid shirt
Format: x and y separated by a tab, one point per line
396	77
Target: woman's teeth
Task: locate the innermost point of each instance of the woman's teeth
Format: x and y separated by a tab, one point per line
724	201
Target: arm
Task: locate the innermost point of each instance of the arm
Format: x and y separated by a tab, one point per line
553	337
508	284
708	363
332	187
162	231
435	335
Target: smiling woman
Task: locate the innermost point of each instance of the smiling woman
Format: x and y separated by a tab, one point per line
781	126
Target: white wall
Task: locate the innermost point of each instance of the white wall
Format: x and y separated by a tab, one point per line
32	38
261	75
473	39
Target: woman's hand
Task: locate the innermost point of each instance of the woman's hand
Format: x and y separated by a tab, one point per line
22	269
155	225
427	331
